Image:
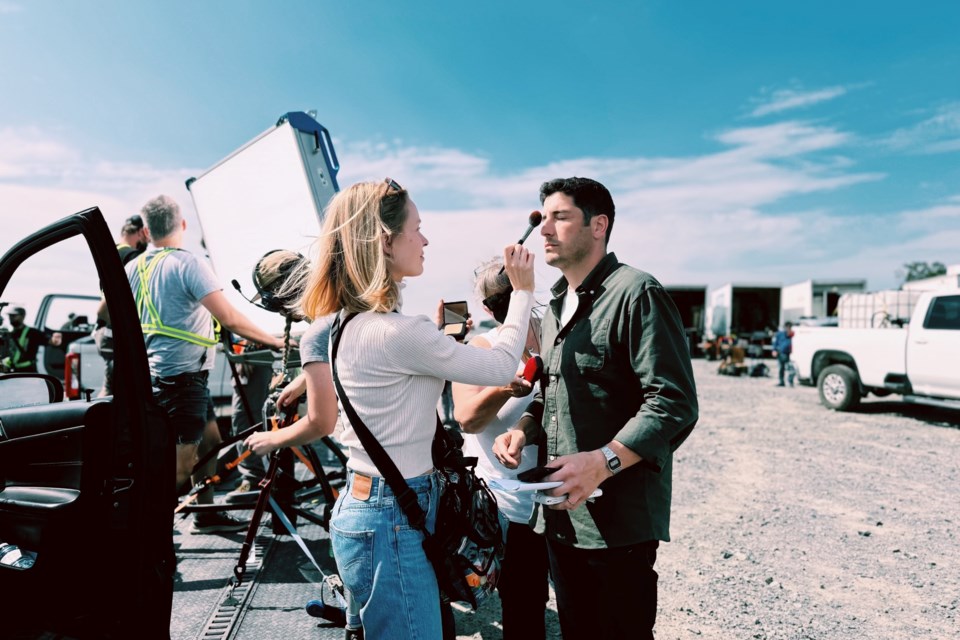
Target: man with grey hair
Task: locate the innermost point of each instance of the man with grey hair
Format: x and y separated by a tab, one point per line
180	303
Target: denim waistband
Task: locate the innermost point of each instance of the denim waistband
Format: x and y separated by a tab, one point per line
380	488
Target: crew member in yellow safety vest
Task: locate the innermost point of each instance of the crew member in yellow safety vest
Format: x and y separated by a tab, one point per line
23	343
134	238
180	301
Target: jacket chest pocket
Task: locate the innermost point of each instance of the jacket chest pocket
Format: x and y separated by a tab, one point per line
591	347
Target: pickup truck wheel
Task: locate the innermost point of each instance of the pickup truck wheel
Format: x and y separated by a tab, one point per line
839	387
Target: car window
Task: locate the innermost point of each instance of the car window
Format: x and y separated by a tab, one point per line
71	314
944	314
63	268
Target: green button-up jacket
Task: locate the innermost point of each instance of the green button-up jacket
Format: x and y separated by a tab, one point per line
620	370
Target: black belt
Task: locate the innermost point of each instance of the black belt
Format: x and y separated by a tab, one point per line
180	378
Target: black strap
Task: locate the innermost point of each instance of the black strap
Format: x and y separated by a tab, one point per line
405	496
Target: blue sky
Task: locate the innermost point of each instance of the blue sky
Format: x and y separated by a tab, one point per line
742	142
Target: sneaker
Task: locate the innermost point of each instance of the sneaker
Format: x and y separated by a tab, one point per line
244	493
215	522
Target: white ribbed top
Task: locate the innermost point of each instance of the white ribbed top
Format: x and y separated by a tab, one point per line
392	368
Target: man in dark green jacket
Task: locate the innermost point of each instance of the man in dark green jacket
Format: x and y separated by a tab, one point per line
618	397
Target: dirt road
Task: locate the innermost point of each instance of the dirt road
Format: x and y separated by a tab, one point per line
791	521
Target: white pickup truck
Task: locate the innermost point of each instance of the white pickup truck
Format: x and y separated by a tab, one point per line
920	360
84	373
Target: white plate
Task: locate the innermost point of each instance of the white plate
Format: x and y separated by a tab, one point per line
505	484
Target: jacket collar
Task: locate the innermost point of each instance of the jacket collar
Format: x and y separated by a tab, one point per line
607	265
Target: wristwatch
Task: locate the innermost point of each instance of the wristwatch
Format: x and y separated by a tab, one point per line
613	460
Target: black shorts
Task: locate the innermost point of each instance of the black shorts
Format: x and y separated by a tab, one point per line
186	400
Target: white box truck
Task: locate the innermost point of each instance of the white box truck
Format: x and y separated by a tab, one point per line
742	309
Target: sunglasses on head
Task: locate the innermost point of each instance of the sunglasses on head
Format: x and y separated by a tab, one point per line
393	191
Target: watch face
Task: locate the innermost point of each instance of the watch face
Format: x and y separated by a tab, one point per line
613	461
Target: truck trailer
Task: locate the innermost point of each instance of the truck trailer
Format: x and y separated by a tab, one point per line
816	299
691	301
743	310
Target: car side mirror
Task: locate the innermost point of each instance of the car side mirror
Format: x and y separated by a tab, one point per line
29	389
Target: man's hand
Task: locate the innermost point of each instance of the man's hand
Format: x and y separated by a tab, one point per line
508	448
581	473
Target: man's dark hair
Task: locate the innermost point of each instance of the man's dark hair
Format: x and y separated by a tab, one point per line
589	195
133	224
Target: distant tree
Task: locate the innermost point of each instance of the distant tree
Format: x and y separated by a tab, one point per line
920	270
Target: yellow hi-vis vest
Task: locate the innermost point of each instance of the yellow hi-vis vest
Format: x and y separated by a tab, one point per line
19	345
155	326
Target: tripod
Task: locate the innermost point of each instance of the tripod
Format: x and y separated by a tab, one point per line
293	495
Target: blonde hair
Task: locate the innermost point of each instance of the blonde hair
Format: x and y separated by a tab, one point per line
352	270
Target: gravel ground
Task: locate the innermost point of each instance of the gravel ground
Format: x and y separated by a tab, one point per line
791	521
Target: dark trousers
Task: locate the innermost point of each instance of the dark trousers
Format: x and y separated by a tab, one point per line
782	360
605	593
255	389
523	586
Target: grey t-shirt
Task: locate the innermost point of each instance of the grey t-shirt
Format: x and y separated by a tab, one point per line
176	286
315	342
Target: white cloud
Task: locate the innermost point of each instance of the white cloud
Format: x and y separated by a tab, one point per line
785	99
43	179
938	133
703	219
10	7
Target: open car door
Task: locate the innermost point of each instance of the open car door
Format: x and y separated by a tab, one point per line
86	486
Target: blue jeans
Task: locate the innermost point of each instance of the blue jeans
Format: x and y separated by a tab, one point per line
381	560
784	359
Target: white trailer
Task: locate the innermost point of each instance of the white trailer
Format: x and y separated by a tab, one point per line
815	298
743	309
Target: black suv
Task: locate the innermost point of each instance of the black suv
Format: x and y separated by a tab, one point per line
86	486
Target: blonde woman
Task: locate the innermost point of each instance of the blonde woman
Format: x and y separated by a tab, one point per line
392	368
485	413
